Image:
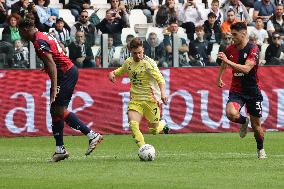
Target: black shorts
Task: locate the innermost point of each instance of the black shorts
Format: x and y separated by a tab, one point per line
253	104
66	83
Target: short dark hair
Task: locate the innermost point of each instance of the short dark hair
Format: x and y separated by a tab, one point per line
173	21
26	23
211	15
135	43
46	2
238	26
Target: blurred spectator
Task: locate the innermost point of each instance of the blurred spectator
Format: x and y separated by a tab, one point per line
85	26
80	52
165	13
226	41
141	4
240	10
77	6
11	31
22	7
47	16
112	62
61	33
155	49
125	53
118	7
254	39
199	50
153	5
263	9
3	13
182	46
276	22
231	18
216	10
212	30
21	55
112	24
248	3
261	33
274	54
9	3
190	15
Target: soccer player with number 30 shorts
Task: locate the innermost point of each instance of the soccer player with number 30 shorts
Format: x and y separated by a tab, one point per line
147	91
243	58
63	75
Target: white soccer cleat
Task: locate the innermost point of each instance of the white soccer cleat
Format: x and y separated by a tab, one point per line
243	128
93	143
59	156
261	154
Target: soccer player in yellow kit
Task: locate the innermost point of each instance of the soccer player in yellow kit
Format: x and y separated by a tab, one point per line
147	91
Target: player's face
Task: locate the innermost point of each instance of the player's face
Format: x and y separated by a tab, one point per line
238	36
137	53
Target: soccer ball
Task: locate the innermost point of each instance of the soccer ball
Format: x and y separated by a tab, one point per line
147	152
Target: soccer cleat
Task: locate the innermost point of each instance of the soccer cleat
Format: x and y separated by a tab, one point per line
93	143
261	154
243	128
59	156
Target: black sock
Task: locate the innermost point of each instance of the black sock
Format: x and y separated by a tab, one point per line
241	119
73	121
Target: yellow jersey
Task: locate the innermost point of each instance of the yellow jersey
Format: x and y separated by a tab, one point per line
145	78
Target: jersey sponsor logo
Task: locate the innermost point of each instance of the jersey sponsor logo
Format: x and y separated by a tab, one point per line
239	74
245	55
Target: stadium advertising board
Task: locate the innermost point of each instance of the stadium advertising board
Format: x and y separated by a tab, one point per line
196	104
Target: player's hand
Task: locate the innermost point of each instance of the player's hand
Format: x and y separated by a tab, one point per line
52	96
220	83
164	99
223	57
111	76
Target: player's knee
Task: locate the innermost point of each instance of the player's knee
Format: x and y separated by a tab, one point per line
133	125
232	115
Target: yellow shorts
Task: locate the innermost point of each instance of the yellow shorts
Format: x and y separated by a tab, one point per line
150	110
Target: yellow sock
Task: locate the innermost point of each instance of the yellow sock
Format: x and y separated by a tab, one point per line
158	129
136	133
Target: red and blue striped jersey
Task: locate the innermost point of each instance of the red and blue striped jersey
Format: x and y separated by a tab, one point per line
45	43
246	84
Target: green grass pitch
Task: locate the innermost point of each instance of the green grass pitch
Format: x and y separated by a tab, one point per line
208	160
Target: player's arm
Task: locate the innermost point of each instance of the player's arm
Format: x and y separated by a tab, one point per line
52	73
221	70
118	72
249	64
154	71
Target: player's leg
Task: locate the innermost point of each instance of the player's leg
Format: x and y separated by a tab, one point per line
234	105
152	114
63	98
57	130
254	109
135	115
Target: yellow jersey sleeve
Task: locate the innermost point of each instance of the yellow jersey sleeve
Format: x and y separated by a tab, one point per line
153	70
123	69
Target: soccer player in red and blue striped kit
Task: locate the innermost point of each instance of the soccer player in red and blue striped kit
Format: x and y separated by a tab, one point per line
63	75
243	57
